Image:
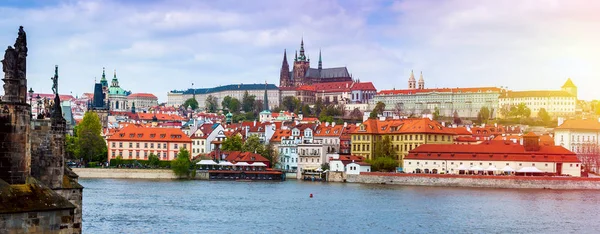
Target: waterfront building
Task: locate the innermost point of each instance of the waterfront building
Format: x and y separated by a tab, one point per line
346	139
556	102
138	142
311	155
338	162
142	101
203	136
582	137
492	157
303	74
355	168
329	134
466	102
404	134
176	98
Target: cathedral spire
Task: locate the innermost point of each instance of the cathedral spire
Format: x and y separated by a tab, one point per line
320	60
103	74
296	56
266	99
302	56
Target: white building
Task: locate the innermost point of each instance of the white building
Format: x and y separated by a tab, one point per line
177	97
356	168
142	101
581	137
556	102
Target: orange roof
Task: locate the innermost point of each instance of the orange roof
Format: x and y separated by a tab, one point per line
460	131
142	95
440	90
492	151
402	126
465	139
238	156
134	132
580	124
159	116
328	131
278	134
365	86
343	86
306	88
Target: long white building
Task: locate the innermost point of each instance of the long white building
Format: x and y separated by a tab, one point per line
556	102
178	97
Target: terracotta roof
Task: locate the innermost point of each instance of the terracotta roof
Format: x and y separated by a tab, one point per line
134	132
487	131
306	88
365	86
142	95
238	156
440	90
159	116
343	86
402	126
62	97
535	93
460	131
492	151
205	129
347	131
580	124
277	135
328	131
465	139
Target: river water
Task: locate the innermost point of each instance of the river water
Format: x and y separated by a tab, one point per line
151	206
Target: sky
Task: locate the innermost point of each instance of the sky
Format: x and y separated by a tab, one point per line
162	45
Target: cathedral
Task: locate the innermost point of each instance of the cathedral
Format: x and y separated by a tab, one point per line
303	74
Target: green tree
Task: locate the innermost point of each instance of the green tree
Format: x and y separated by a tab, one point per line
192	103
378	110
90	141
271	154
306	110
226	102
384	164
484	115
211	103
232	143
72	146
384	148
544	116
356	114
324	118
181	165
235	105
153	160
325	166
248	102
291	104
118	160
436	113
253	145
318	107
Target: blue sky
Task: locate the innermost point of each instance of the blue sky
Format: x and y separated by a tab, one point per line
158	45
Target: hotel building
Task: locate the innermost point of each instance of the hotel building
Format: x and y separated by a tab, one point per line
137	142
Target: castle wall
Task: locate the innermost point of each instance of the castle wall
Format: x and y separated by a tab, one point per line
53	221
47	153
15	157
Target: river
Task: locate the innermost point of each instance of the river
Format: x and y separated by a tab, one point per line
164	206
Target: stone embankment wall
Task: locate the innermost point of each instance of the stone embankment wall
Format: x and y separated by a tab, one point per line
520	182
117	173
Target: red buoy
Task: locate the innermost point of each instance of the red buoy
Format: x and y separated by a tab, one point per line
311	195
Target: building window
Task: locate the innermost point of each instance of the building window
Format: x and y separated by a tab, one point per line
137	145
120	144
137	154
165	145
152	145
130	154
113	145
145	145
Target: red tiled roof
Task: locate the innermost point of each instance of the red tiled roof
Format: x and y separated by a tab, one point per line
142	95
135	132
492	151
306	88
62	97
328	131
159	116
465	139
460	131
365	86
238	156
580	124
440	90
277	135
402	126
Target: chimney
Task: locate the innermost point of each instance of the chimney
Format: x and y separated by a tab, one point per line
332	124
531	142
326	124
495	125
345	124
382	118
443	124
254	123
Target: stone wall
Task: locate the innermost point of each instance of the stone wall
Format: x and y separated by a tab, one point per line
53	221
47	153
477	181
15	157
336	176
116	173
74	195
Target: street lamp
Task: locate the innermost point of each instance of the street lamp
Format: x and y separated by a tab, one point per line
31	101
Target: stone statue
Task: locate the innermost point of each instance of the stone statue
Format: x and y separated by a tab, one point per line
9	63
14	66
21	49
55	80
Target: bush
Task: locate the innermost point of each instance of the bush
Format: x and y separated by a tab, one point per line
161	164
384	164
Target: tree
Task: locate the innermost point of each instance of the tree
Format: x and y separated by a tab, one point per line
436	113
384	148
318	106
384	164
235	105
248	102
457	119
399	108
258	107
306	110
253	145
291	104
356	114
544	116
378	110
324	118
72	146
521	111
232	143
211	103
484	115
325	166
153	160
226	102
192	103
181	165
90	141
271	154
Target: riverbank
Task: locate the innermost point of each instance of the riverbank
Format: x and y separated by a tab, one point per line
512	182
123	173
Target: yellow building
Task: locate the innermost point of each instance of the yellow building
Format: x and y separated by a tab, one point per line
404	134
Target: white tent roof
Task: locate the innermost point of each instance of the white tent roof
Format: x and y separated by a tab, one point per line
225	163
492	168
319	169
476	168
507	168
242	164
530	170
462	167
206	162
258	164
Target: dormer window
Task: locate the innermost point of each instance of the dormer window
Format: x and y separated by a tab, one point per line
163	135
122	135
140	135
132	135
152	135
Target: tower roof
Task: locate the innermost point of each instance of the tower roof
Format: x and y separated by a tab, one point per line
412	76
421	78
569	84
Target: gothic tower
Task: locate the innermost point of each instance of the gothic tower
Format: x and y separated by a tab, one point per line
320	61
421	82
301	65
284	75
411	81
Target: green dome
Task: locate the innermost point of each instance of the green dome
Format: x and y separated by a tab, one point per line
229	115
116	91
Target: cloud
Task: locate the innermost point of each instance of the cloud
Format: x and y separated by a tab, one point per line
160	45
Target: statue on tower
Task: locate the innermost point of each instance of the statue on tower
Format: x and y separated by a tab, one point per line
55	81
14	68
